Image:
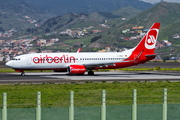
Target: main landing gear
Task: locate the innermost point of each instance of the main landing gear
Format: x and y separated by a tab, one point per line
90	72
22	73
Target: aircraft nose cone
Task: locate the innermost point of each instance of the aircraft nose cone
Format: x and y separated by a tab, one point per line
10	64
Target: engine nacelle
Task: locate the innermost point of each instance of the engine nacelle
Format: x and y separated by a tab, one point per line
76	69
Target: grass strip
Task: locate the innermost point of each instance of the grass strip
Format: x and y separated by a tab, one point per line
89	94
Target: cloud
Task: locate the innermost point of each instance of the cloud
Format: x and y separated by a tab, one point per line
156	1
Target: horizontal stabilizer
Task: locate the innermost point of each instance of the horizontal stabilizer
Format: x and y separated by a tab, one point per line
150	55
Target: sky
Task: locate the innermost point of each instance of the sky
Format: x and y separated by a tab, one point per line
156	1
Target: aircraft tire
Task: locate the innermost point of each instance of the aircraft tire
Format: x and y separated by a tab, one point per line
90	72
22	74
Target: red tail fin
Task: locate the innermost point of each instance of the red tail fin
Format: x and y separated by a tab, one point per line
144	51
148	43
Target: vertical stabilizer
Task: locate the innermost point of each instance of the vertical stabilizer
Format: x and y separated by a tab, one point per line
144	51
148	42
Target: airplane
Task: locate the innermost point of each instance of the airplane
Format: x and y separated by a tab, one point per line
80	62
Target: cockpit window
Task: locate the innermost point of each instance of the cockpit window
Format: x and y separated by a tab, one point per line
16	59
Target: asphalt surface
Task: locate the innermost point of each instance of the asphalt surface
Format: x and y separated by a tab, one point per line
9	78
42	77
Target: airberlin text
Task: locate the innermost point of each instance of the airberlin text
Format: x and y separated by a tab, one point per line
56	59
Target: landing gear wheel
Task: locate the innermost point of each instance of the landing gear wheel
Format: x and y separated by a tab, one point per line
90	72
22	74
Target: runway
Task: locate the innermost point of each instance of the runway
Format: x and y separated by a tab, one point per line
119	76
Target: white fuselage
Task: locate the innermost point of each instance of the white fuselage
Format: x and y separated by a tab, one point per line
63	60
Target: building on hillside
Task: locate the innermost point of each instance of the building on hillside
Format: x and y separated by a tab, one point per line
97	31
137	28
176	35
123	18
167	43
125	31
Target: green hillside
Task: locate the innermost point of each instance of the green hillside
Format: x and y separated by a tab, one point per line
19	15
76	22
166	13
109	26
170	30
73	20
26	14
61	7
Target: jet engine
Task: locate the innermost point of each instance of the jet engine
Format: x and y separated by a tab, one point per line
76	69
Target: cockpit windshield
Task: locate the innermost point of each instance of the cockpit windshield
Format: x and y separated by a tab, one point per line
17	59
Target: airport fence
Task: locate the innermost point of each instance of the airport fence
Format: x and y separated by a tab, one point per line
158	106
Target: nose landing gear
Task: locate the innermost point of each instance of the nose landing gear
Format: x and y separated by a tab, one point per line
22	72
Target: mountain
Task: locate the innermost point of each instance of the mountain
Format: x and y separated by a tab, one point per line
78	22
26	14
19	15
74	20
168	14
107	25
61	7
164	12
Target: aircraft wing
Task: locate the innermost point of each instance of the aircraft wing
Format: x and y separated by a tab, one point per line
92	65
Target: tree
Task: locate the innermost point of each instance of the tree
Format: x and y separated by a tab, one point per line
54	22
1	29
95	38
47	30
